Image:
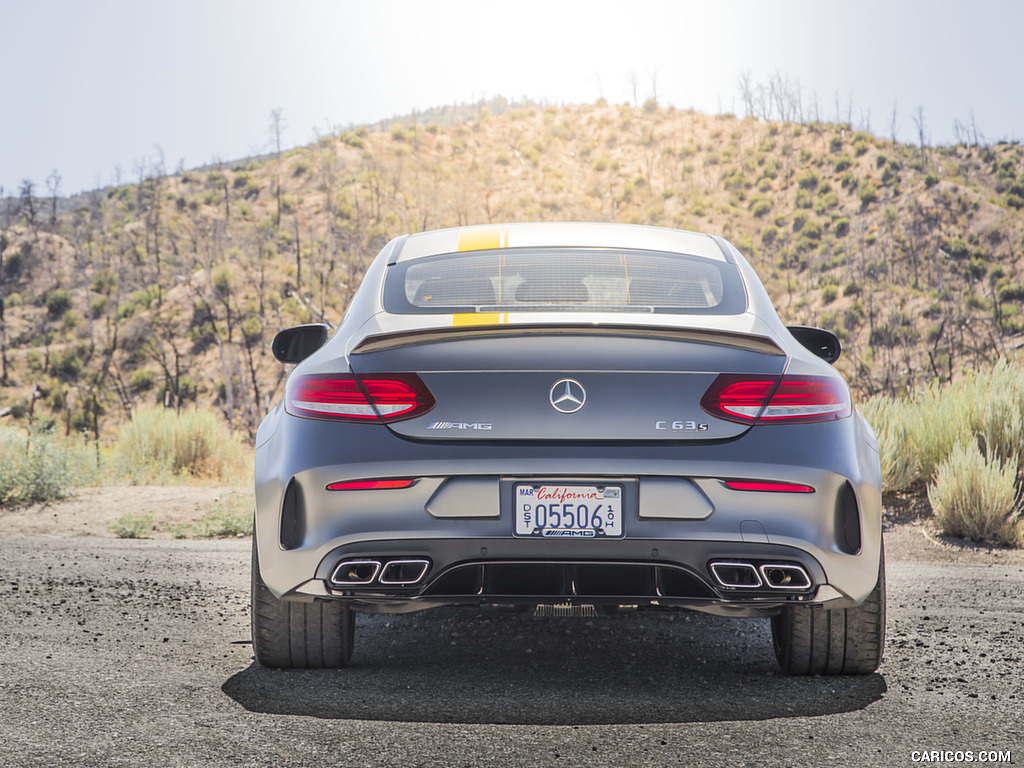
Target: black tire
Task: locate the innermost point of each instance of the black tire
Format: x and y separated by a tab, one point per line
810	640
292	635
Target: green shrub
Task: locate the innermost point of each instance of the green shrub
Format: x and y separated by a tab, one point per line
232	517
826	202
973	496
760	206
868	195
1012	292
142	380
57	303
40	467
147	296
159	445
15	261
891	174
355	140
812	230
808	179
66	365
129	526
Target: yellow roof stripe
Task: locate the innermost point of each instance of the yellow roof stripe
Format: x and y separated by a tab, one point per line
480	318
480	238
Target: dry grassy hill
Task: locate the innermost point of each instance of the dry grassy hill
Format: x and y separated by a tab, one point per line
169	290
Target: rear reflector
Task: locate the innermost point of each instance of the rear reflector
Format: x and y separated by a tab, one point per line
746	399
767	485
370	485
341	397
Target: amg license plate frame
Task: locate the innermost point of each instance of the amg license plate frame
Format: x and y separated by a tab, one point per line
553	510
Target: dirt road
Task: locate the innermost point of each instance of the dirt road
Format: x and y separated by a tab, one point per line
125	653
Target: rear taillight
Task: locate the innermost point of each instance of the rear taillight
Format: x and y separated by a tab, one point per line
341	397
746	399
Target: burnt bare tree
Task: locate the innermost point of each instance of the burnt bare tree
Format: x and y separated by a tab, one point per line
276	128
27	204
53	187
4	242
922	138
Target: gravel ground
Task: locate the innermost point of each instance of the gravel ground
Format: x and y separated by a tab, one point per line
125	653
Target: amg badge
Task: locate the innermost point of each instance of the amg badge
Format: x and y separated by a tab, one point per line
460	425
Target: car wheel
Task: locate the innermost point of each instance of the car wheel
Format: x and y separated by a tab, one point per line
292	635
810	640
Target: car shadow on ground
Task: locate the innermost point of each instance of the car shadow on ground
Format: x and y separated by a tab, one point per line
460	666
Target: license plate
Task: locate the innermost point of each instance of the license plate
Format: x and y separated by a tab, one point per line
568	511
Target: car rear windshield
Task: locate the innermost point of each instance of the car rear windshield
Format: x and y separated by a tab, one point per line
564	280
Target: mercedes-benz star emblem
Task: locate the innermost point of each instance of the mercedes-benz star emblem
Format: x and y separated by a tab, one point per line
567	396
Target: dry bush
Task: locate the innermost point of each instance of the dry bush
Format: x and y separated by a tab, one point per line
975	497
160	445
890	420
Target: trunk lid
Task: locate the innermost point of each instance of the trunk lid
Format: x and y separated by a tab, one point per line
562	383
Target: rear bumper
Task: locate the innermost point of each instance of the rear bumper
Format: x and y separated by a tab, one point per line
472	556
504	571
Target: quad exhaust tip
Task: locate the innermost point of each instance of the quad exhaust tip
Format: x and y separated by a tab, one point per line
736	575
356	572
740	575
404	572
401	572
785	576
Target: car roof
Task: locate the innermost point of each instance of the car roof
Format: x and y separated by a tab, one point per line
557	235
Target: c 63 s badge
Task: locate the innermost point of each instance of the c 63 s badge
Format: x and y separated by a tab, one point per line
681	426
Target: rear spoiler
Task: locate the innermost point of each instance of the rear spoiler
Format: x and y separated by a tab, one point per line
381	341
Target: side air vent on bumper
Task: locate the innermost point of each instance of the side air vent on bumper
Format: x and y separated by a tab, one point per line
293	516
847	520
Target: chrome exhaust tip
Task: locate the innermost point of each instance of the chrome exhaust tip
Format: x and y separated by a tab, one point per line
785	576
735	575
354	573
404	572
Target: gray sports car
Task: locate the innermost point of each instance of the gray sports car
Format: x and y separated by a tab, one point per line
572	415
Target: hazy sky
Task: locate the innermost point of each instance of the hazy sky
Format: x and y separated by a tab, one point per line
93	85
